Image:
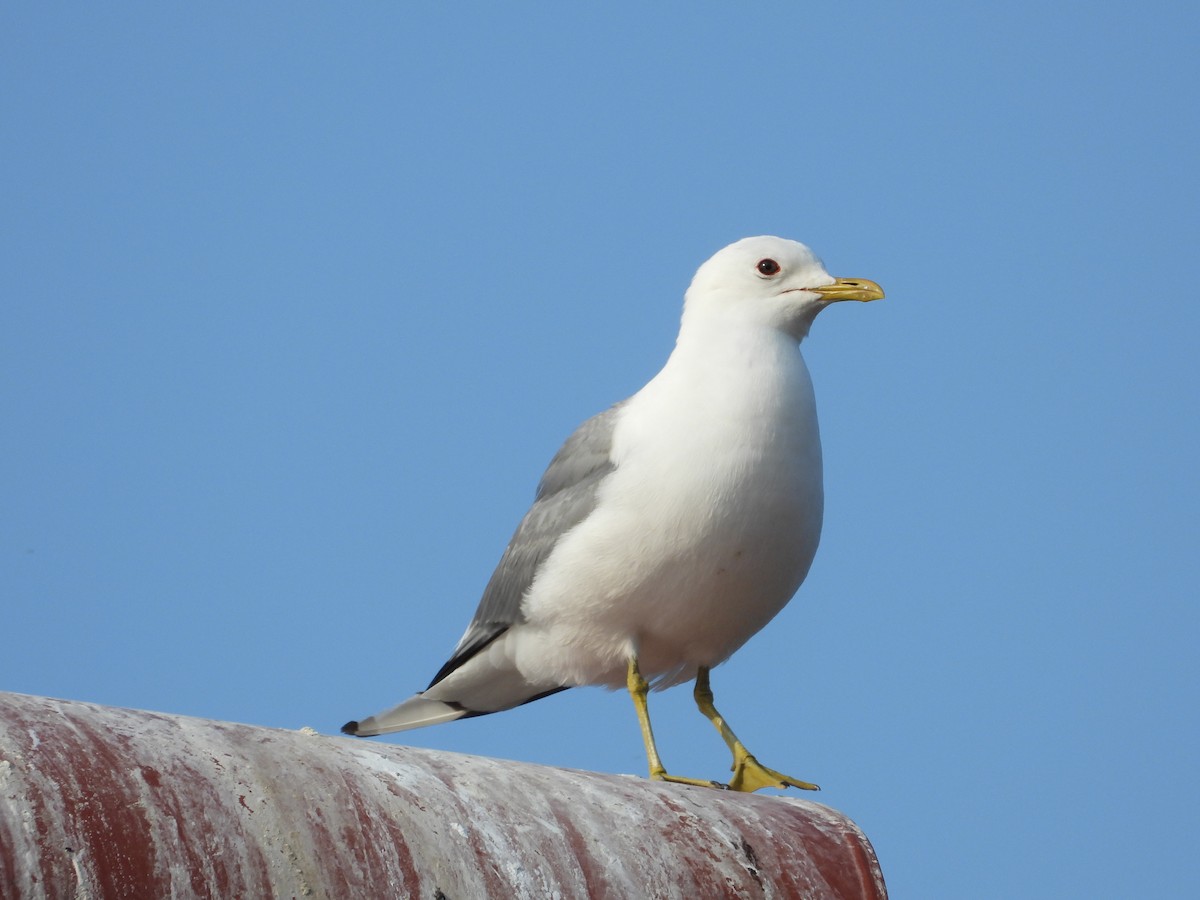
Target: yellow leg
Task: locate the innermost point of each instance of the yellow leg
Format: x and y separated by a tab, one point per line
638	689
748	773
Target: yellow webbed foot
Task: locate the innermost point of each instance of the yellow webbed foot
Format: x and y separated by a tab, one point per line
751	775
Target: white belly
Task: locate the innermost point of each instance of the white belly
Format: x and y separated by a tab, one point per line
703	532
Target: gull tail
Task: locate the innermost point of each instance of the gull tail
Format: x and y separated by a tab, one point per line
481	684
415	712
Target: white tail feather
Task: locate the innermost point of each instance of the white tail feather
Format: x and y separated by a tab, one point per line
415	712
486	683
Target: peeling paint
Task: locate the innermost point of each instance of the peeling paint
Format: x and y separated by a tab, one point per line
104	802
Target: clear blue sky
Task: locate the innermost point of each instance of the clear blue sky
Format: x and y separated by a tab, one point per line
297	301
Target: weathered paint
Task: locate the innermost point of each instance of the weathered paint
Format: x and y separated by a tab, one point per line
98	802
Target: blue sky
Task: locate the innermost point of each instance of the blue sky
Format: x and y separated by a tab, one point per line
298	301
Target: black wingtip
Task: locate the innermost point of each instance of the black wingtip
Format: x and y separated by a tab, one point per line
350	728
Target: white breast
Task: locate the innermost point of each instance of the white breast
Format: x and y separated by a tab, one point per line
704	530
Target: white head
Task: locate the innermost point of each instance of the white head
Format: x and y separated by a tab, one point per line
769	281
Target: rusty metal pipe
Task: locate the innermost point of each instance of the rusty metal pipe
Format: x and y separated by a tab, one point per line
102	802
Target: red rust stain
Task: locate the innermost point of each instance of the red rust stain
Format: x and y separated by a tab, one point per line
598	885
865	866
8	859
392	837
104	814
461	814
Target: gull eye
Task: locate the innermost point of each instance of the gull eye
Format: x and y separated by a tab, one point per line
768	267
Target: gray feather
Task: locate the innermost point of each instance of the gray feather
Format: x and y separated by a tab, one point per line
565	497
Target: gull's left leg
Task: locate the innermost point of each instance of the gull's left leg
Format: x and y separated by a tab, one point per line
748	773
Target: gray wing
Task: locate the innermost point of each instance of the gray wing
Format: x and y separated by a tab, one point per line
565	497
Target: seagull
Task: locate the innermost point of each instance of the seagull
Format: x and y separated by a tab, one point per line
670	528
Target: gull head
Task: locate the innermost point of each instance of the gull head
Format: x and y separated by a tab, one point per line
769	281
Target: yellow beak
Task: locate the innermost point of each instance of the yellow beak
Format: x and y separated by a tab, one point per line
849	289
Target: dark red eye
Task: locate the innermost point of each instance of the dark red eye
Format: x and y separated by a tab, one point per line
768	267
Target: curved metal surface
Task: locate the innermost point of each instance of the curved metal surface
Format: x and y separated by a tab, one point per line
99	802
